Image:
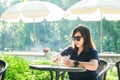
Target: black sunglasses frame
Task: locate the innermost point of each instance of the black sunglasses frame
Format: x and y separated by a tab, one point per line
76	38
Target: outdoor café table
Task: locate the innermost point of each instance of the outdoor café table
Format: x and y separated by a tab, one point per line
57	69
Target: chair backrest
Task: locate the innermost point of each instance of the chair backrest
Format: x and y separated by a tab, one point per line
3	68
102	69
117	64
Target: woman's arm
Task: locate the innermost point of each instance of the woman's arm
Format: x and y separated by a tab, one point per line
91	65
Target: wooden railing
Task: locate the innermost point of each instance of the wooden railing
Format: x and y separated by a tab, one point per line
109	56
33	54
112	58
30	56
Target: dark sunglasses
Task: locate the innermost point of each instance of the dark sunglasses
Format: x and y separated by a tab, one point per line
77	38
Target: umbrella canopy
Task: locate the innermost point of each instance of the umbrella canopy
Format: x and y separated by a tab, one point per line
95	10
33	11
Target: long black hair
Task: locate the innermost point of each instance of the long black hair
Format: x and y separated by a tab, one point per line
85	32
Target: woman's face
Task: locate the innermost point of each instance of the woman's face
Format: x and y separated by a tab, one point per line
78	40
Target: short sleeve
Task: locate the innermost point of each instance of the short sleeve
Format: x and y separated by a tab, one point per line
66	51
93	54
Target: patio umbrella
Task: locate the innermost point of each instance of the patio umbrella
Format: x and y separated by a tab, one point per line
95	10
33	11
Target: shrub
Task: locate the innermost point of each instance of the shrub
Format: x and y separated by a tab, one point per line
18	69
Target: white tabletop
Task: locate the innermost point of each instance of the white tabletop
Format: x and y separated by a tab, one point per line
57	68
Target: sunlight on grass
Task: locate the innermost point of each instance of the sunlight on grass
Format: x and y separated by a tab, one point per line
112	74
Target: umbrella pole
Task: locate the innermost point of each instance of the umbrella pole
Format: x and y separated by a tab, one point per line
35	40
101	34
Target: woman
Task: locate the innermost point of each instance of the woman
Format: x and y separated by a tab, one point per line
81	54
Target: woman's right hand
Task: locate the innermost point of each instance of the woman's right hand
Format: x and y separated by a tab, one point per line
57	58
